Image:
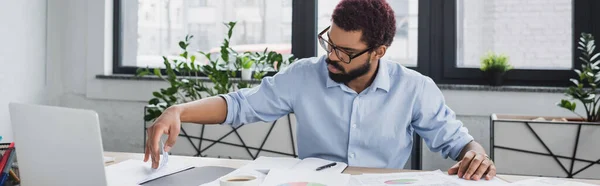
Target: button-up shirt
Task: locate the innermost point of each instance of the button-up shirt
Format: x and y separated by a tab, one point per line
373	128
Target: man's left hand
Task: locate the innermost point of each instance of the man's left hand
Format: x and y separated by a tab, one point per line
474	166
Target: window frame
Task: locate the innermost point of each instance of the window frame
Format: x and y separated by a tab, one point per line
437	49
304	22
444	14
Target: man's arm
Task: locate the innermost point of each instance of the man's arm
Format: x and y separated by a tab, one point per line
440	129
213	109
266	102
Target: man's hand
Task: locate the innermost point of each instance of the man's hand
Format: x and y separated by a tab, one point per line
167	123
474	166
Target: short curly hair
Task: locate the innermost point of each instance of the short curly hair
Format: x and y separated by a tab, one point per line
375	18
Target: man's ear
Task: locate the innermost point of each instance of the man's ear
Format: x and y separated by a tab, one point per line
380	52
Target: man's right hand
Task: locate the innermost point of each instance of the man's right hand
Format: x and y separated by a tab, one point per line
168	123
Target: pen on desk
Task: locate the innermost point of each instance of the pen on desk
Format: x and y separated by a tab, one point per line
326	166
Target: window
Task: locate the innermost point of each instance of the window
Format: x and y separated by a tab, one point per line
146	30
537	36
404	48
534	34
443	39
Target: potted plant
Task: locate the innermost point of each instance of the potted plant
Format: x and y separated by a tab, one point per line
494	66
246	63
566	146
186	84
585	85
184	74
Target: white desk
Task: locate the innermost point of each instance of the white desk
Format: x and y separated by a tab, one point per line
198	161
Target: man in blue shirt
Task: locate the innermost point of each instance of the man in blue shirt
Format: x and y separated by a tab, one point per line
350	105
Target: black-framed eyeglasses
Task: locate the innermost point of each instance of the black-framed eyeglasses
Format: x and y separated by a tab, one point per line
340	53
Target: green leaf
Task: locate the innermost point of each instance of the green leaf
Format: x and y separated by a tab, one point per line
140	72
567	105
583	59
157	72
157	94
171	90
153	101
193	58
184	55
182	45
594	57
574	81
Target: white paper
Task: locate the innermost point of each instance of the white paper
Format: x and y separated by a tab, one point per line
134	172
287	177
267	163
264	164
547	182
493	182
239	172
409	178
311	164
108	159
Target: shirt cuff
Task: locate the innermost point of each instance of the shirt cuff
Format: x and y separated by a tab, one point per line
460	145
229	105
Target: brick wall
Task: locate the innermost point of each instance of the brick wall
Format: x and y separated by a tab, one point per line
534	33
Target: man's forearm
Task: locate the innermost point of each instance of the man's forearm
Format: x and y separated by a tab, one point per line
212	110
471	146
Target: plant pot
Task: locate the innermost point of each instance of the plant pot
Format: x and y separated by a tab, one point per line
495	78
246	74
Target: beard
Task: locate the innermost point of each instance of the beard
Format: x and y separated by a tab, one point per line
345	77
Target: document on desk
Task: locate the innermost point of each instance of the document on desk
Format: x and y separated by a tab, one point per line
548	182
287	177
264	164
439	175
493	182
409	178
239	172
137	172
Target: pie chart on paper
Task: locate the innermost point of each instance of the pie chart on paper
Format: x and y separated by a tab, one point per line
301	184
401	181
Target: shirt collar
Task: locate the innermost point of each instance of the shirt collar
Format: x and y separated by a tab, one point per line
382	79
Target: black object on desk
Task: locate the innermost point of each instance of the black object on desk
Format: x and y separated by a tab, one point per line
326	166
192	177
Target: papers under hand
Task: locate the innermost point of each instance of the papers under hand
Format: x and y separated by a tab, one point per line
430	178
412	178
286	177
136	172
493	182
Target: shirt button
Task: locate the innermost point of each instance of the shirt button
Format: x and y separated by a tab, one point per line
353	126
352	155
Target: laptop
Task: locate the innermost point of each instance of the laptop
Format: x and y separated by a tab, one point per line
57	146
63	146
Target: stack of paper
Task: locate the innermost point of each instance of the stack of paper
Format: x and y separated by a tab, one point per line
281	177
280	171
137	172
264	164
431	178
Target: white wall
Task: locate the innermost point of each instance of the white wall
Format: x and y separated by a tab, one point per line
79	32
22	56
